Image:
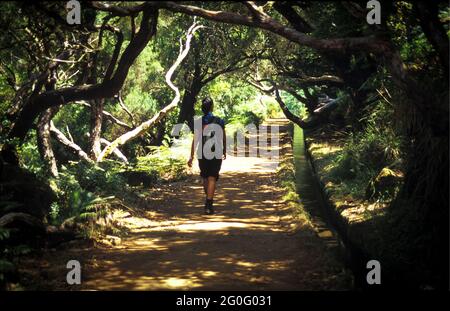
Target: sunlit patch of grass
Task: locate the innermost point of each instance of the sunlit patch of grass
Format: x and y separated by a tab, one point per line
286	178
323	148
346	166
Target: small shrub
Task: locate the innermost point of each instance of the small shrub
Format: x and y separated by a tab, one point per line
163	164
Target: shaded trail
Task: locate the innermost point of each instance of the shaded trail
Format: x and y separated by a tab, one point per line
248	245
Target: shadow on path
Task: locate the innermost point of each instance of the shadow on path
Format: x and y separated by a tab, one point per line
247	245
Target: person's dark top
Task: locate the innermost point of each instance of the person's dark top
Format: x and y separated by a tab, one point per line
208	118
210	167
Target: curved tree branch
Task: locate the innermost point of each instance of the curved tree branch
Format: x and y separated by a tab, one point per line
162	113
261	20
274	90
115	56
124	107
108	116
88	92
292	117
323	79
264	21
428	13
116	151
69	144
383	48
289	13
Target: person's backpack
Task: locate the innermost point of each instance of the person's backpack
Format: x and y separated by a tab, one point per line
209	136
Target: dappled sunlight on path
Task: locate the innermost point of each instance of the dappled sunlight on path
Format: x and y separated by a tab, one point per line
247	245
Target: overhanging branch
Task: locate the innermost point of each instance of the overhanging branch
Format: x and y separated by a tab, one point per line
108	116
69	144
273	90
88	92
261	20
162	113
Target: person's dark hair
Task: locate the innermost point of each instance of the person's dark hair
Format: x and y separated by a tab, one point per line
207	104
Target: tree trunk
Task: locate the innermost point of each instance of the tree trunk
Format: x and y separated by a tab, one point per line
428	12
292	117
424	197
143	127
421	210
187	108
43	131
311	102
74	148
158	137
44	140
95	128
354	76
107	88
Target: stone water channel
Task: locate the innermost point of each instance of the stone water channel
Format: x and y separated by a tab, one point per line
314	203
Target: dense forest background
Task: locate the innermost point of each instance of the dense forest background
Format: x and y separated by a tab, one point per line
87	110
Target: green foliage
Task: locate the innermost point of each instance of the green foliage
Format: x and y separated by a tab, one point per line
162	164
4	233
366	152
273	109
74	118
294	106
96	207
408	34
29	155
231	98
140	102
83	188
97	179
247	117
72	198
287	180
239	104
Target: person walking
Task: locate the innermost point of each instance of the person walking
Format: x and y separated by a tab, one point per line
210	152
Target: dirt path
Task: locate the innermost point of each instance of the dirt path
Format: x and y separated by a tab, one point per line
247	245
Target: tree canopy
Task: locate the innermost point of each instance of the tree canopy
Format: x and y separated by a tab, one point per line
116	84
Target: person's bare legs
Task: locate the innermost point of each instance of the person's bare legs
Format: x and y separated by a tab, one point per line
211	187
205	185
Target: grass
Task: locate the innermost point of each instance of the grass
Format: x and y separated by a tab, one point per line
287	180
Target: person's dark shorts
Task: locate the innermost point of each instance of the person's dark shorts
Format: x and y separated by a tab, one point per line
210	168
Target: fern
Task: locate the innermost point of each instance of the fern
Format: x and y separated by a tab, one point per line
4	234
